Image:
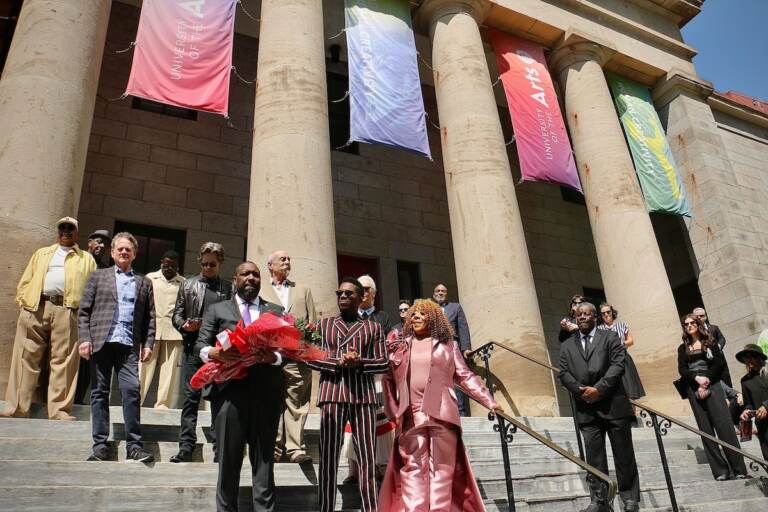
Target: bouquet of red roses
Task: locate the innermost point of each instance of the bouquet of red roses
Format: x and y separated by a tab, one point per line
295	340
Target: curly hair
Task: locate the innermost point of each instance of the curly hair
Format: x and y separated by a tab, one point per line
704	337
438	325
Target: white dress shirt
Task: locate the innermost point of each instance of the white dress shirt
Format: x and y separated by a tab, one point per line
282	290
587	338
254	308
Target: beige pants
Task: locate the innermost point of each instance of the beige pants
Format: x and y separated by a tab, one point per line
290	431
166	353
51	328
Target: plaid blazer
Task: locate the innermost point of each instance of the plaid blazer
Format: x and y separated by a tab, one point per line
350	385
97	310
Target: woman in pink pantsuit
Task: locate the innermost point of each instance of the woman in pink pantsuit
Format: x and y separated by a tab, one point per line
428	469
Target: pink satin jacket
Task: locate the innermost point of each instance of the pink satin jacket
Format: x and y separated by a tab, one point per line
446	369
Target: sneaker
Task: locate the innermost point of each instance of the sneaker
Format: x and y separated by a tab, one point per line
98	456
139	455
182	456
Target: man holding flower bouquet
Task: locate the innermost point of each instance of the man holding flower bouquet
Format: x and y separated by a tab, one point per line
248	408
356	351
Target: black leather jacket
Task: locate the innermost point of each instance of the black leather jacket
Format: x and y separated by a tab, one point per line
189	304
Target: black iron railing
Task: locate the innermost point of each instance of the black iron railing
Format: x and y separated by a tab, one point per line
507	426
659	421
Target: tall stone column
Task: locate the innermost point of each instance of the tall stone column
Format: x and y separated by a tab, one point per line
47	95
630	262
291	201
493	271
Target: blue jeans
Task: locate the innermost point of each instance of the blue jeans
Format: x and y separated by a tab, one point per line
125	362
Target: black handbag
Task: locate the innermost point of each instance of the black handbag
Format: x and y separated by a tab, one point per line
681	388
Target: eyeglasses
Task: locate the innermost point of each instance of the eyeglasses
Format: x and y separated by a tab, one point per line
686	324
67	227
367	288
403	310
345	293
209	264
577	302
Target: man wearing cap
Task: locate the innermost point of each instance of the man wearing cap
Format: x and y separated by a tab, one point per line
754	386
99	245
49	294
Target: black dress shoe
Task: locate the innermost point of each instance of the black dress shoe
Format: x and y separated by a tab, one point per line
596	507
182	456
98	456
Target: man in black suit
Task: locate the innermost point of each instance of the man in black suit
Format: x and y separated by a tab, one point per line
116	324
754	385
718	336
591	364
248	409
455	314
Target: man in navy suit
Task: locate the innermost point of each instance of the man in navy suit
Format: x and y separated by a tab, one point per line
249	408
455	314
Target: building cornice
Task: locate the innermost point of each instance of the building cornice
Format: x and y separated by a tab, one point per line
727	106
677	82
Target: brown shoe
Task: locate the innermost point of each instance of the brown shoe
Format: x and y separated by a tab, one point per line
62	416
300	458
278	457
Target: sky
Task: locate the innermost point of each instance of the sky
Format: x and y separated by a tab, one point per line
731	37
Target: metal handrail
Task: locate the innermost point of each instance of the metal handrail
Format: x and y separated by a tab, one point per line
660	427
507	426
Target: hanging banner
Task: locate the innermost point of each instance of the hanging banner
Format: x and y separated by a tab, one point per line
655	166
386	105
542	143
183	53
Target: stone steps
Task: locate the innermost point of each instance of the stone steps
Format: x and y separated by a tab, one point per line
43	464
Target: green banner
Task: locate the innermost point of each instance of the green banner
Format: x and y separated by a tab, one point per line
659	178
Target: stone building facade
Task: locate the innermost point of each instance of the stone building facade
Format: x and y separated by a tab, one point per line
272	177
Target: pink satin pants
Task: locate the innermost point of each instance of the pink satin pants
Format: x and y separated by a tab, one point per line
429	460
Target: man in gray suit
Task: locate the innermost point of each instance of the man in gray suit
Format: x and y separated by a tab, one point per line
455	314
592	364
116	325
248	408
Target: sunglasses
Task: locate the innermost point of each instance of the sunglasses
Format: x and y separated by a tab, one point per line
345	293
67	228
209	264
403	310
686	324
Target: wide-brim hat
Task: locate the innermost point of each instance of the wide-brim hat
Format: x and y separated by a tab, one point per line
100	233
750	349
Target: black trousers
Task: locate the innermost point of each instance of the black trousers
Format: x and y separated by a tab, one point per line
125	362
461	401
246	419
83	381
712	416
620	434
190	363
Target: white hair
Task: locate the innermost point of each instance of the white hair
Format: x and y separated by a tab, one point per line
367	281
272	256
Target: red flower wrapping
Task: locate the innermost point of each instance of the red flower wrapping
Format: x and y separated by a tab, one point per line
277	333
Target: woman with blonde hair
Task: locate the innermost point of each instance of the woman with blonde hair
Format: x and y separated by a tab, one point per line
428	468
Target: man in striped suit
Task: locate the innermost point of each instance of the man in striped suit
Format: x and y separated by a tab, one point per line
356	351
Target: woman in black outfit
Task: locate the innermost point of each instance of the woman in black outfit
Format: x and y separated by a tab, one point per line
700	363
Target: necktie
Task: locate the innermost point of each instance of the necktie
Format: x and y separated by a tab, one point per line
247	313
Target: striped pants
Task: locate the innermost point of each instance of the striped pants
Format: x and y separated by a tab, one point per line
362	419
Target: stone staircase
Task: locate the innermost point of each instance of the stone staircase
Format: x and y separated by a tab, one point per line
43	468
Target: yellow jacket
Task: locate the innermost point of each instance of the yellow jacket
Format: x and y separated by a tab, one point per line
78	266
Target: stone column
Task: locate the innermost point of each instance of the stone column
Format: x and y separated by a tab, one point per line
631	267
291	201
47	95
493	271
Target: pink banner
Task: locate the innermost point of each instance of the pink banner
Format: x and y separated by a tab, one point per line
542	142
183	53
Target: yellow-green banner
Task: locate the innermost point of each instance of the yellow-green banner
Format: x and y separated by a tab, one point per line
656	170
